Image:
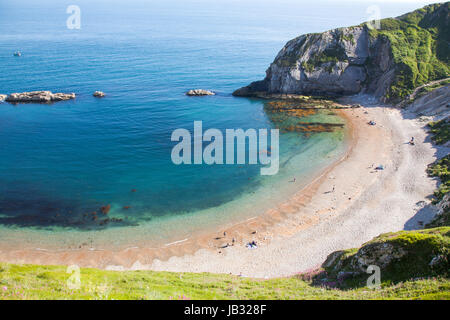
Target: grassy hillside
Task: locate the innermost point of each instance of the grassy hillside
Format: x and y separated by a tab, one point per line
419	43
400	255
50	282
440	169
440	130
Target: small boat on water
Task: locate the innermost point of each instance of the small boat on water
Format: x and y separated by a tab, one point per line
17	54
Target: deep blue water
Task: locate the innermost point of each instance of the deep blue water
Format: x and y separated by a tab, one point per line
60	161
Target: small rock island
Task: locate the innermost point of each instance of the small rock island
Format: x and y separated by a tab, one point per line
99	94
38	97
200	92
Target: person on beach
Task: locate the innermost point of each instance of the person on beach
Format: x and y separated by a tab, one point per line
411	142
252	245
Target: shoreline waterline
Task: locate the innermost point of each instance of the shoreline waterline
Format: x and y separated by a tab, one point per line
318	221
354	203
207	237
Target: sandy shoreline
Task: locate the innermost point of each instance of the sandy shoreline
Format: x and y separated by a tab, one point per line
316	221
365	203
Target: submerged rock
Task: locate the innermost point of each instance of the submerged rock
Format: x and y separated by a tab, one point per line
199	92
39	97
105	209
99	94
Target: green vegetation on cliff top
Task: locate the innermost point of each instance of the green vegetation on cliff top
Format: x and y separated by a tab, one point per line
441	135
420	47
441	131
440	169
419	44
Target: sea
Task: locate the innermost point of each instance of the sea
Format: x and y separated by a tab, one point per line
61	162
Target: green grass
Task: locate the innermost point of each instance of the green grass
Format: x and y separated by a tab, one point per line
440	169
419	44
411	277
440	130
50	282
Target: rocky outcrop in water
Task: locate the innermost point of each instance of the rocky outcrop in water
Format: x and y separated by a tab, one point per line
359	59
39	97
99	94
199	92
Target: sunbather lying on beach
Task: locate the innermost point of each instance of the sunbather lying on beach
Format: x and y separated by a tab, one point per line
252	245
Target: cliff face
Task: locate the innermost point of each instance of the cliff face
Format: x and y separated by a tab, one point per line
333	62
358	59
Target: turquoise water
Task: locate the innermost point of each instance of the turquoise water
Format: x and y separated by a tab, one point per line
60	162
